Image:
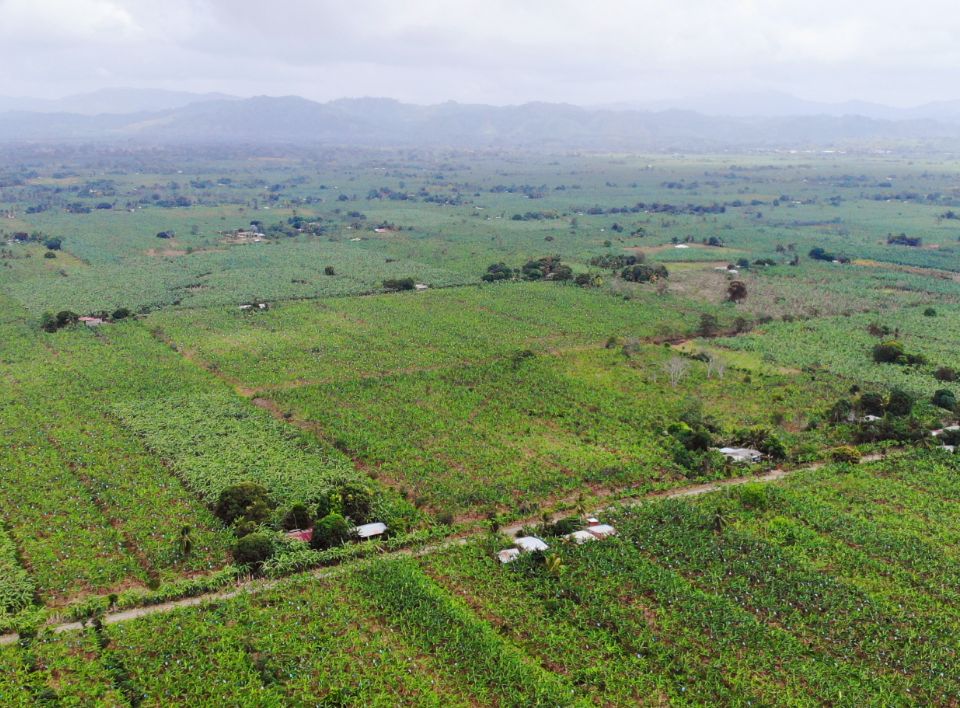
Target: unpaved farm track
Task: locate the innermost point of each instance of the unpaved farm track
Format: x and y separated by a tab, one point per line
259	585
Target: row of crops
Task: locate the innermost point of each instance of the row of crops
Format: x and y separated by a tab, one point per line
843	346
504	395
517	431
334	340
222	275
755	595
89	506
113	445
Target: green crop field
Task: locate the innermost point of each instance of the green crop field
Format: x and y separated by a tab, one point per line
786	603
844	346
459	345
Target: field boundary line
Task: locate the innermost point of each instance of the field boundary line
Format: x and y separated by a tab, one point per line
258	585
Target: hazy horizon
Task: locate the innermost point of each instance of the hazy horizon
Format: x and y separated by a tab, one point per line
640	104
498	53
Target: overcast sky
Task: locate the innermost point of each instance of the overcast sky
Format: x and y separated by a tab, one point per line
489	51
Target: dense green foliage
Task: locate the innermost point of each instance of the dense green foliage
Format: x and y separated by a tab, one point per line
788	601
593	328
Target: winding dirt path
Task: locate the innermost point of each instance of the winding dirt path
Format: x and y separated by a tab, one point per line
259	585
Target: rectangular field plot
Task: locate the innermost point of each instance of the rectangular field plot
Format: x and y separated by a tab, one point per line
844	346
527	429
112	444
90	508
344	339
282	270
756	595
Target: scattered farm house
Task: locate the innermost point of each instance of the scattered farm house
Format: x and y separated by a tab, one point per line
741	455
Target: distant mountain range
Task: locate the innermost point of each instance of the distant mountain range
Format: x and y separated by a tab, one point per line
722	121
110	100
775	104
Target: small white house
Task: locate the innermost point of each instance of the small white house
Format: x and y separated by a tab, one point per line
530	544
579	537
508	555
365	531
420	286
602	530
941	431
741	455
681	245
870	418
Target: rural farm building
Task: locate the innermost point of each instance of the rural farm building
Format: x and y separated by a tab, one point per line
601	530
91	321
524	544
579	537
508	555
529	544
741	455
365	531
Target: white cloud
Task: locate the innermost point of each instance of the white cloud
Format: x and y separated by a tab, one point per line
489	50
49	22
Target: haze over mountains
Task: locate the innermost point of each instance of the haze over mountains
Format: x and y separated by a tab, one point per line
760	120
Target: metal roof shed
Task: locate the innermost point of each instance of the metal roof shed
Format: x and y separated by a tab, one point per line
365	531
579	537
529	544
508	555
602	530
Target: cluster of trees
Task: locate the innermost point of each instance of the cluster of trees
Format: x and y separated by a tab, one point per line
388	193
904	240
529	190
897	403
399	284
892	351
498	271
249	511
695	437
644	273
50	322
52	243
546	268
617	262
661	208
895	411
535	216
762	439
820	254
300	224
944	398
